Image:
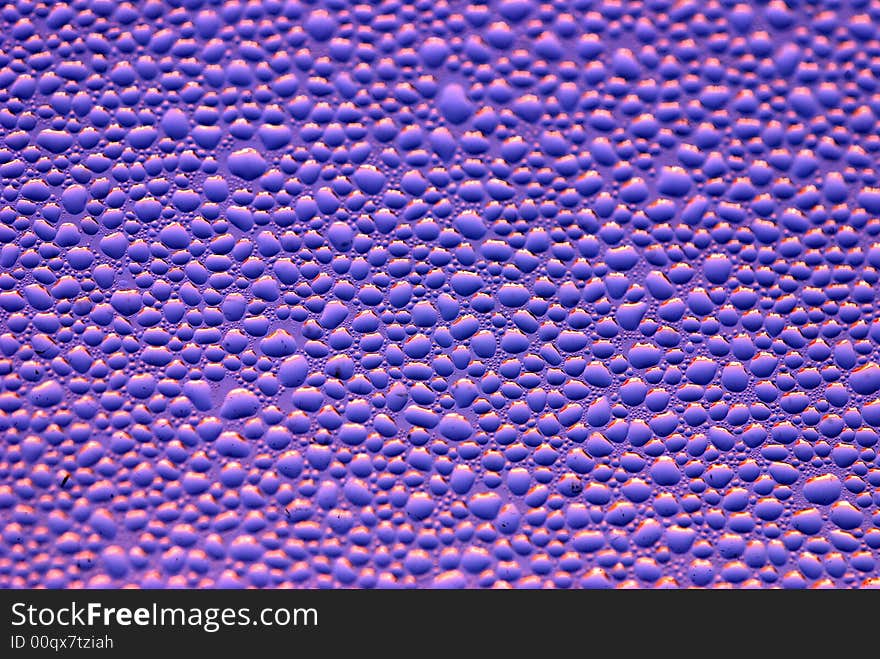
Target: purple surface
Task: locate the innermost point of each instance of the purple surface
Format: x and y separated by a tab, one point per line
580	294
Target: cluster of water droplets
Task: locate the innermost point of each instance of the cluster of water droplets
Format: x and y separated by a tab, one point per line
574	294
